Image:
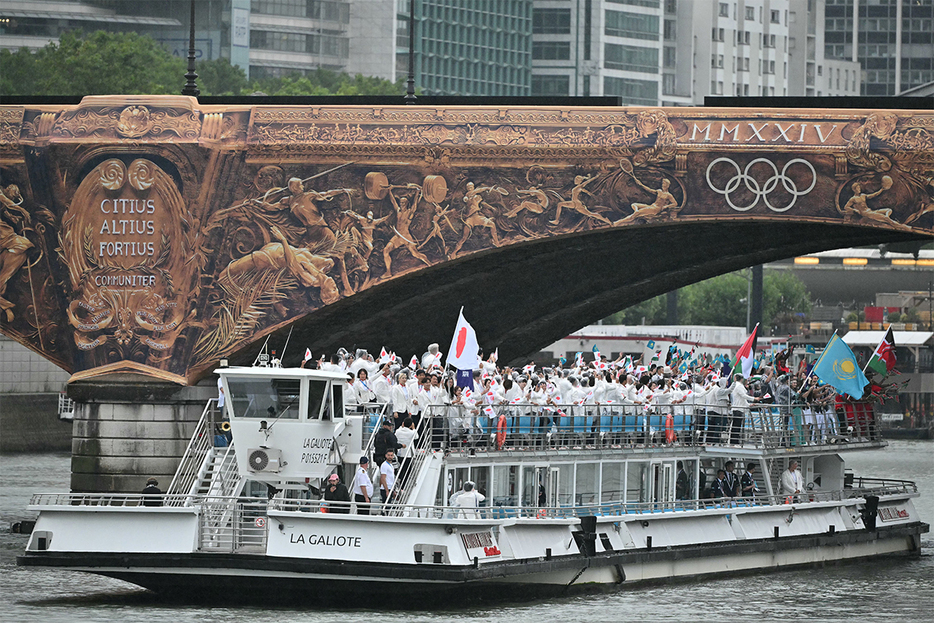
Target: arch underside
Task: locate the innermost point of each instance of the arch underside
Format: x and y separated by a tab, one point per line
523	297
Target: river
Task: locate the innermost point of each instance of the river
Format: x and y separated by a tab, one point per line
895	588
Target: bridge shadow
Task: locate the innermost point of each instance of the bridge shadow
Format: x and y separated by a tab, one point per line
523	297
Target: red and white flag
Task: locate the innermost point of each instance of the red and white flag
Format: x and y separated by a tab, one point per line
464	347
413	363
489	411
307	354
383	355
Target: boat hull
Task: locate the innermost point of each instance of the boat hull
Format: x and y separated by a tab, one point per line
255	578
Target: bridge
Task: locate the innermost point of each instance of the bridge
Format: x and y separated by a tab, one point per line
154	235
144	238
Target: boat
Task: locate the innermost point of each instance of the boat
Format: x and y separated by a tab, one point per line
576	498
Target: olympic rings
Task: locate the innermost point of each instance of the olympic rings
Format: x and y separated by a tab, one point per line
762	192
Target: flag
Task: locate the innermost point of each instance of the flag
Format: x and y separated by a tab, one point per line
579	359
650	345
307	354
746	354
465	380
562	361
464	347
413	362
383	355
809	349
883	358
596	353
837	367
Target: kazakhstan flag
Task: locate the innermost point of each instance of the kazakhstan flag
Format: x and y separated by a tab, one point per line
837	367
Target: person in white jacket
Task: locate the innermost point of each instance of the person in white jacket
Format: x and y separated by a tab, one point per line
792	483
739	403
404	402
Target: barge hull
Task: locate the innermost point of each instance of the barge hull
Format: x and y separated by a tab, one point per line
252	578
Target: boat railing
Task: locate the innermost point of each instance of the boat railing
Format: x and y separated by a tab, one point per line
410	466
613	507
373	413
199	445
530	426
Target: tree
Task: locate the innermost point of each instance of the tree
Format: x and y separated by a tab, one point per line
721	300
219	77
97	64
127	63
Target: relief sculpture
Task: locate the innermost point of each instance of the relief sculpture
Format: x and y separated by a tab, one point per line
184	235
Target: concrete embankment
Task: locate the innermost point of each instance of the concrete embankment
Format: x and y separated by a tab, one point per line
30	423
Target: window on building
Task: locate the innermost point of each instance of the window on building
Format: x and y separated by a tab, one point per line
630	58
551	85
671	6
775	16
551	21
670	58
668	84
551	50
632	25
671	30
724	9
716	34
640	92
750	13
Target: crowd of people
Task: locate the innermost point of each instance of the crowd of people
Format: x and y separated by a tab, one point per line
714	401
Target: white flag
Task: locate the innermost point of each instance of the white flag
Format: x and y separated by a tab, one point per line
464	347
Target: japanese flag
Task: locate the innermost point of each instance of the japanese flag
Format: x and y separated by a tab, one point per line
383	355
307	354
489	411
413	363
464	347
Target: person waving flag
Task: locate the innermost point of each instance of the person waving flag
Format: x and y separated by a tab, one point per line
883	358
746	355
838	368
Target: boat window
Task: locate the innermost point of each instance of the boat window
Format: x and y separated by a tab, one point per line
585	484
637	481
533	486
565	485
316	393
614	475
481	479
337	391
264	398
505	485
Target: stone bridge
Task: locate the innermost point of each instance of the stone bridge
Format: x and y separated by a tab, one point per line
155	235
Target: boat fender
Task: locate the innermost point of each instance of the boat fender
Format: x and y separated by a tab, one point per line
669	428
500	432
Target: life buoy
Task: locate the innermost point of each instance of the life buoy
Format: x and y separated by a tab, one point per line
500	431
225	426
669	428
541	514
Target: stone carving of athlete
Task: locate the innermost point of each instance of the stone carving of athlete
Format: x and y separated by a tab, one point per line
664	203
538	206
308	268
857	210
402	238
473	197
575	203
436	227
13	247
367	225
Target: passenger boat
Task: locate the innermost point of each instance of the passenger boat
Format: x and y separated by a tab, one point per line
582	498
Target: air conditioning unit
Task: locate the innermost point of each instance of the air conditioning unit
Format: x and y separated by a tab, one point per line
264	460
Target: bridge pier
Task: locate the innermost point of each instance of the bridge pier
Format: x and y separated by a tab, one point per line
129	429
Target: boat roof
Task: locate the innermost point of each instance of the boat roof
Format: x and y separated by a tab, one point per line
287	373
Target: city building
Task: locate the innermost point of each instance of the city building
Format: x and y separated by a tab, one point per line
598	47
893	41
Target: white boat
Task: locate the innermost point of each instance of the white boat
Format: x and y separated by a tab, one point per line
588	503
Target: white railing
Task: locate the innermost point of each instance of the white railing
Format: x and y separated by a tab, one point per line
528	426
189	468
404	485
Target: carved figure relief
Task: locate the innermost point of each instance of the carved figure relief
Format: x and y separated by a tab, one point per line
172	258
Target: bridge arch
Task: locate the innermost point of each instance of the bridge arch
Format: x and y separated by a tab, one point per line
373	225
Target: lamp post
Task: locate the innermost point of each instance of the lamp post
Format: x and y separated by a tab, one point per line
410	82
191	86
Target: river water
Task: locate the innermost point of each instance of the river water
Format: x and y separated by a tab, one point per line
898	589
